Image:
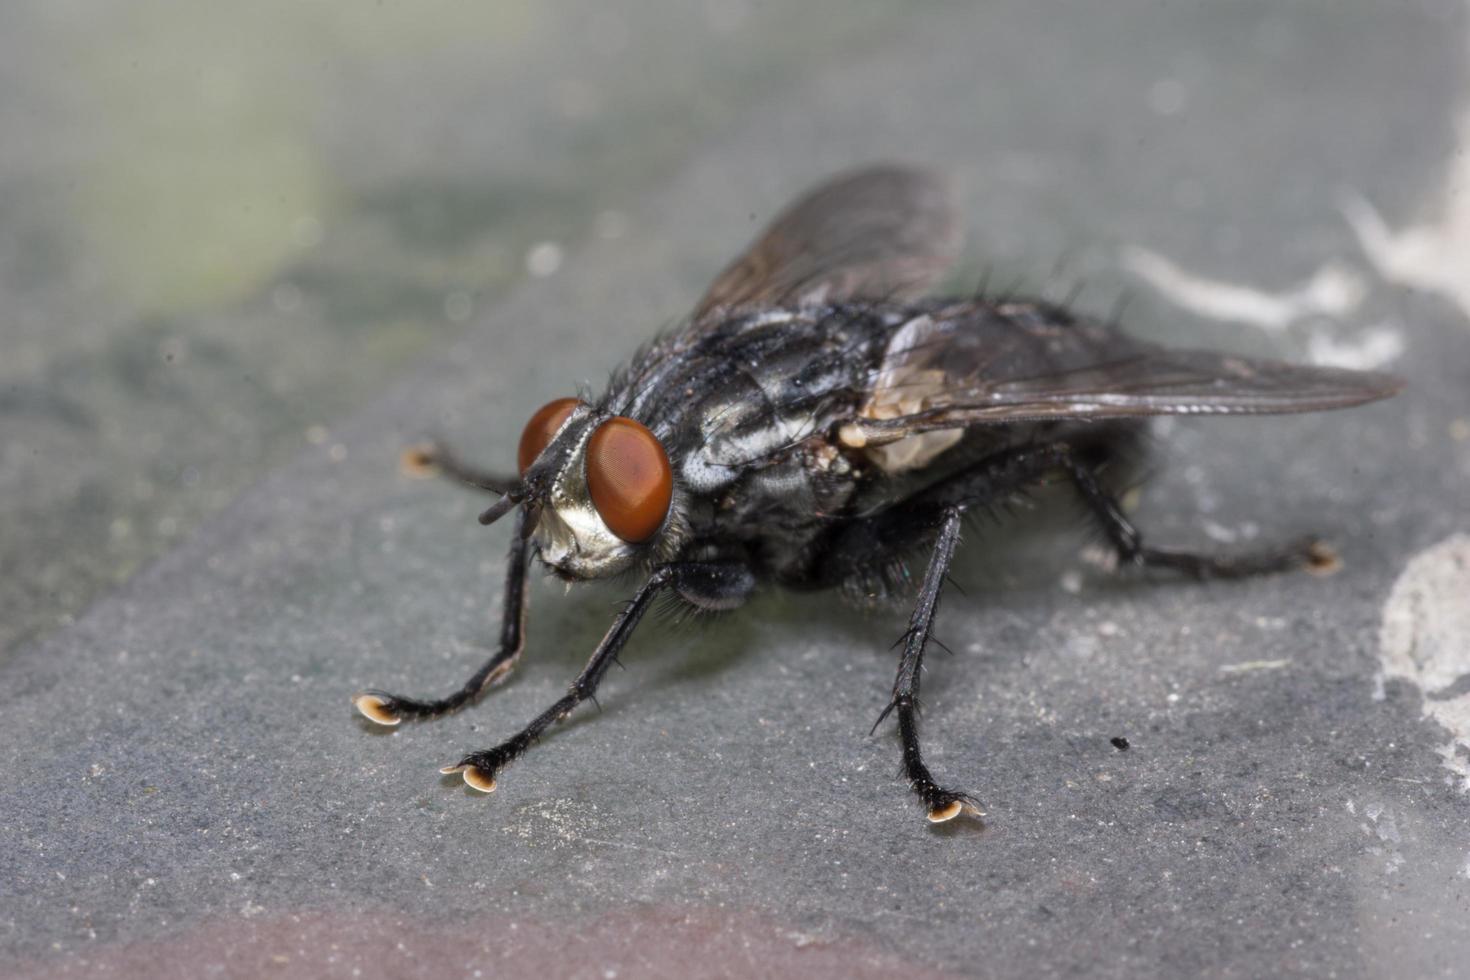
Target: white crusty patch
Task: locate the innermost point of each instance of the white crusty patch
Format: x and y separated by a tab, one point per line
1370	349
1425	640
1435	254
1333	292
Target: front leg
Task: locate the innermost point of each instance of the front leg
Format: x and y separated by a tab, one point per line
390	709
705	585
427	459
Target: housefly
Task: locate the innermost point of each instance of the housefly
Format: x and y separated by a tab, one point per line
817	422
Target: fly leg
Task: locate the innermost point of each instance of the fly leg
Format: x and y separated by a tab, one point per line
943	804
1305	552
999	475
706	585
390	709
423	460
852	555
890	534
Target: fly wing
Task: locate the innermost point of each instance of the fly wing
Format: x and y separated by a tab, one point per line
879	233
979	365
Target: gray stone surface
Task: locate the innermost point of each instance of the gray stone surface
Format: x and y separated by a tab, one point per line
188	791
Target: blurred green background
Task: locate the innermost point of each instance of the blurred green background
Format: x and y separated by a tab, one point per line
287	198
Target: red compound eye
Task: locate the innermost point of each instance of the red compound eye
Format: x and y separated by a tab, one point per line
629	477
542	429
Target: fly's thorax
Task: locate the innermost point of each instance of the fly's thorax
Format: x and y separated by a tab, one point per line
572	536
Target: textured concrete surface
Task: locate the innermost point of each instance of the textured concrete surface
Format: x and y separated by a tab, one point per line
187	789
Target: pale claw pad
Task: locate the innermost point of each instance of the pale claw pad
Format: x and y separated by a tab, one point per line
375	708
474	777
952	809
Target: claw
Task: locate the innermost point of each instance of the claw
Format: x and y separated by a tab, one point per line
948	811
1322	559
419	462
474	776
376	708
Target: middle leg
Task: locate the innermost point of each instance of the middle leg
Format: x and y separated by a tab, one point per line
936	514
878	541
942	804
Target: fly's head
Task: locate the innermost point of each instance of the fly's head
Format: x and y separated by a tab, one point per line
602	489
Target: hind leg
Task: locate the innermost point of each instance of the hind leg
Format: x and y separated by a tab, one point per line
882	540
1127	541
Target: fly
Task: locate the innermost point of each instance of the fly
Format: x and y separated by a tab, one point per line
816	422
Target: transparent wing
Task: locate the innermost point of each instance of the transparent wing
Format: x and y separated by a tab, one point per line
976	365
879	233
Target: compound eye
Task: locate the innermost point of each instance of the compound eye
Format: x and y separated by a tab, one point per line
542	429
629	478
